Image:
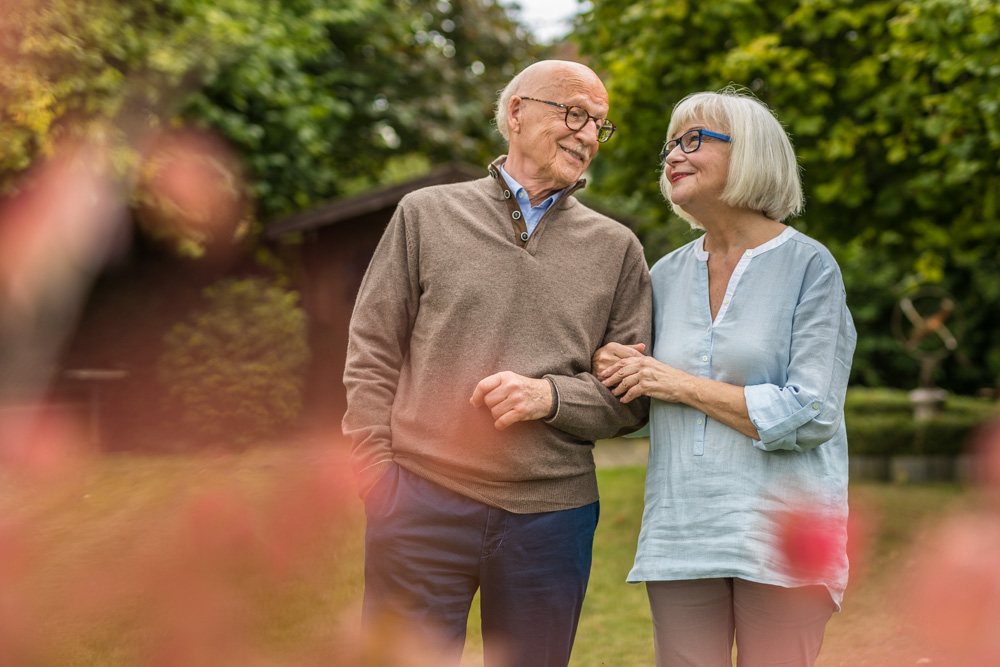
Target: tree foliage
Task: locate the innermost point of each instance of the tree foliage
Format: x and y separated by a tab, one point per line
100	68
233	369
331	97
317	97
894	108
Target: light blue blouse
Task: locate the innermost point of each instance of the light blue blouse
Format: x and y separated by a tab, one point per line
784	333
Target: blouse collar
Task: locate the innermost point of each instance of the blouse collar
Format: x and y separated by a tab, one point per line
701	254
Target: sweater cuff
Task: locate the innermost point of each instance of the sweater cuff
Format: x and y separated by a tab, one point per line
562	416
555	400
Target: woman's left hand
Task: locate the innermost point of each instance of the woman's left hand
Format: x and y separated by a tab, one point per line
606	357
633	377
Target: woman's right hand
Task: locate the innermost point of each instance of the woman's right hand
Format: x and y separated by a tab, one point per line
610	354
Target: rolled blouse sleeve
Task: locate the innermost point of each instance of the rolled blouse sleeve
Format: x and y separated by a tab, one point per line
807	410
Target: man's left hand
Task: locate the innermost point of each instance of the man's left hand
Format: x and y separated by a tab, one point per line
513	398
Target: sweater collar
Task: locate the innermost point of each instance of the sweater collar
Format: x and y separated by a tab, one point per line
502	188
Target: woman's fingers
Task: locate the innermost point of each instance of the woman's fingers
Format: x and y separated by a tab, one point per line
630	388
610	369
620	371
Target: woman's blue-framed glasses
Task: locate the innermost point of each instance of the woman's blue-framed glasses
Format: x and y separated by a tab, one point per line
690	141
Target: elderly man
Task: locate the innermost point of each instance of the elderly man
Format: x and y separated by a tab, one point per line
471	405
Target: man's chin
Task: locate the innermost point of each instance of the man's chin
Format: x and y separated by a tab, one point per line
578	164
577	175
574	172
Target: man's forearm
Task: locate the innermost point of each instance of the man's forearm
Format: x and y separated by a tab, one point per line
587	410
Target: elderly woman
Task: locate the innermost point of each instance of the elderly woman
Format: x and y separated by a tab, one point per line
752	349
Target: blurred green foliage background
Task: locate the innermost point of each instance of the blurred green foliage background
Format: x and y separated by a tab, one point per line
893	106
894	110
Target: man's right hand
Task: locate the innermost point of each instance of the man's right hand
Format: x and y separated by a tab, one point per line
513	398
608	355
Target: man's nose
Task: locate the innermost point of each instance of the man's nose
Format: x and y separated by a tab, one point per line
588	132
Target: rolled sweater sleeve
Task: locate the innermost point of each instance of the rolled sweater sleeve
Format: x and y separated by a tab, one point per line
585	408
807	410
380	328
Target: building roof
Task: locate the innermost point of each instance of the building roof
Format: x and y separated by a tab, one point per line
386	198
348	208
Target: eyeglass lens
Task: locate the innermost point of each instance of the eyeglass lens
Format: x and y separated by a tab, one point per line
577	117
690	141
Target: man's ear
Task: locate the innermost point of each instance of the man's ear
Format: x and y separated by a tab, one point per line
514	108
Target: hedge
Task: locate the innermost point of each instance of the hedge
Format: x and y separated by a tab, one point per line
880	423
233	370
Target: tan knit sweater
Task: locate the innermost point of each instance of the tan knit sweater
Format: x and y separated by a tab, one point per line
453	295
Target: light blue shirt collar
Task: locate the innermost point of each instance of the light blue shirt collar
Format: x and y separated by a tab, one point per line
532	214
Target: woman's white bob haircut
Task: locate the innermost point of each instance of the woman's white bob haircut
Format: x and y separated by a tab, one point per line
763	173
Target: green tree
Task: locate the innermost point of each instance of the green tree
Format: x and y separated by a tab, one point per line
894	108
329	100
318	97
105	68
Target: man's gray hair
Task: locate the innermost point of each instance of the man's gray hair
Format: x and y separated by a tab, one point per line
503	101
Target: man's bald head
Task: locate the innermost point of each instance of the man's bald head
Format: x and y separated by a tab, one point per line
537	79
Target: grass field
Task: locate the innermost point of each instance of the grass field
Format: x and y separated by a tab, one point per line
108	565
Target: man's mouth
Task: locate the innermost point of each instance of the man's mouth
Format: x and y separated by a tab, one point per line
578	154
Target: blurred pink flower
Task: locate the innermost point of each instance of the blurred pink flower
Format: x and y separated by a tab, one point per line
191	187
40	443
60	225
954	590
812	543
986	456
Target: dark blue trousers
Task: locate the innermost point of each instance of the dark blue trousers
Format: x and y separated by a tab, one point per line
428	549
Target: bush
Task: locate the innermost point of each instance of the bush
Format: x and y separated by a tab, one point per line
880	423
233	370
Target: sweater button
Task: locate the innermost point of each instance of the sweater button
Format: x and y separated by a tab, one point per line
524	236
506	194
516	215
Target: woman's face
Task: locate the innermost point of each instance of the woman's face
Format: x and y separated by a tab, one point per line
699	177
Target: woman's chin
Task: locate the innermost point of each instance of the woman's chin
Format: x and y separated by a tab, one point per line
678	199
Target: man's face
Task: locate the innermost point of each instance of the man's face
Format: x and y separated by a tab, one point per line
548	151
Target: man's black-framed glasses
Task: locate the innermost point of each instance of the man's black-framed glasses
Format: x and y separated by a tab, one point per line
690	141
577	117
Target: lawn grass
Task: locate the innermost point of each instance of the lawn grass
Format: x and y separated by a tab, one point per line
870	631
89	528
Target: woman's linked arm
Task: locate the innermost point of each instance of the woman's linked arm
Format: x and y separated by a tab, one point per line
633	376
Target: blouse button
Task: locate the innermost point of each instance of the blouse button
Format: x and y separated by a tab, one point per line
815	405
524	236
704	357
700	421
516	215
